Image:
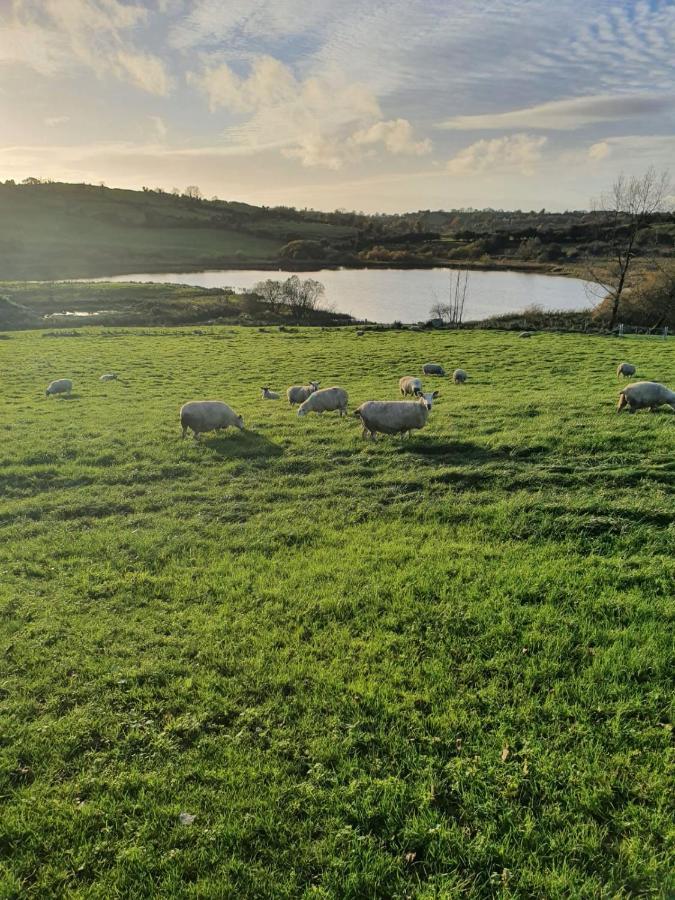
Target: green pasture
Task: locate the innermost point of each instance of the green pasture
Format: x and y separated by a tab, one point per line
434	668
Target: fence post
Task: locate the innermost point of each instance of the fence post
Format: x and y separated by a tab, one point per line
665	332
621	330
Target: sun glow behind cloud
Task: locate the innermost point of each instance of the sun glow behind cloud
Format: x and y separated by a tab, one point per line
377	106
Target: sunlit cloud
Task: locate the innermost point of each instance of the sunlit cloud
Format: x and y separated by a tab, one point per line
519	153
599	151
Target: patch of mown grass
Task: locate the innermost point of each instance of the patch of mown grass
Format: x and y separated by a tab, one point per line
429	668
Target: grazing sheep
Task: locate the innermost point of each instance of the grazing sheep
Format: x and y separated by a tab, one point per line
109	376
625	369
433	369
208	415
525	334
394	416
643	394
325	400
459	376
61	386
267	394
410	385
298	393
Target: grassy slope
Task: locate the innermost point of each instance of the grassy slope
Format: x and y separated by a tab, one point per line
424	668
71	231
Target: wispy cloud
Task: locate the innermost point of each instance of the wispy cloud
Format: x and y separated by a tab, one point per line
564	115
58	35
53	121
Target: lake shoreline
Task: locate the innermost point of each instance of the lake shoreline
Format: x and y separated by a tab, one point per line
535	268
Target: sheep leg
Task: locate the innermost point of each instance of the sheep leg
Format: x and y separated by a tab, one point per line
185	431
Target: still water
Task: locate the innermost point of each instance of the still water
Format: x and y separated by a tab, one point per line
387	295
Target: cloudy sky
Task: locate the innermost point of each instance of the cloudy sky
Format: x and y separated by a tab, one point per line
386	105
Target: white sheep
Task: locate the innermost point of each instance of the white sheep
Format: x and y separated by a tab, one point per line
298	393
109	376
625	369
394	416
60	386
325	400
459	376
410	385
643	394
433	369
208	415
267	394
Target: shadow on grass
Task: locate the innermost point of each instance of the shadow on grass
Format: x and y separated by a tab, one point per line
232	444
460	452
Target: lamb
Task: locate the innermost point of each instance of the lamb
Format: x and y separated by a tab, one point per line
410	385
643	394
325	400
298	393
433	369
208	415
394	416
459	376
60	386
109	376
625	369
267	394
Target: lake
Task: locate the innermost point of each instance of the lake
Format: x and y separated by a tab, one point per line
387	295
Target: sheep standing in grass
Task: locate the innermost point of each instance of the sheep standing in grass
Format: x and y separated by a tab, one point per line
643	394
267	394
326	400
394	416
410	385
433	369
109	376
625	369
298	393
459	376
61	386
208	415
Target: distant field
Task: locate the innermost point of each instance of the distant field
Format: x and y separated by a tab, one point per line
439	667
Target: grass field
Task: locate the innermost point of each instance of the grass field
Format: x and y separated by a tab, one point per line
438	667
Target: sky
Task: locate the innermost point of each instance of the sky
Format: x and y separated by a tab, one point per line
372	105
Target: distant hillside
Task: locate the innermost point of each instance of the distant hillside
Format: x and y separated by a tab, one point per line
56	230
53	230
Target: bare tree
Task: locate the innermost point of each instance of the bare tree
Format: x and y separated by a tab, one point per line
628	207
193	192
452	312
302	296
270	292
